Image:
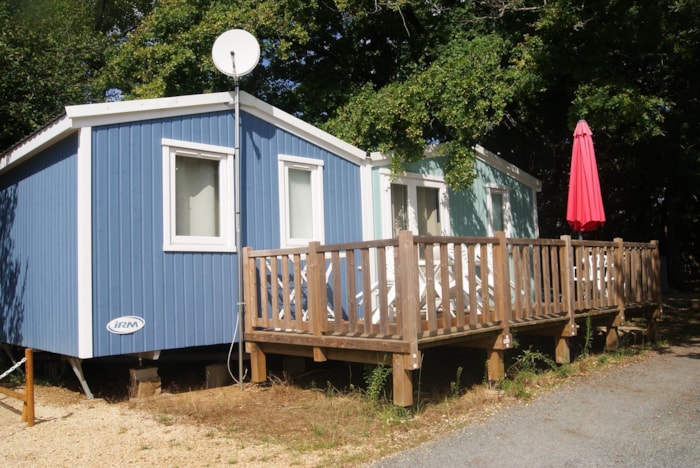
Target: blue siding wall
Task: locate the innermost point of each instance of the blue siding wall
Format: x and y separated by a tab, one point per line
262	143
189	299
38	251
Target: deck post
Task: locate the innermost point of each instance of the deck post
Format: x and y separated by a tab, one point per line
315	287
656	291
501	287
249	292
402	376
258	361
566	268
562	347
612	338
408	317
496	349
496	365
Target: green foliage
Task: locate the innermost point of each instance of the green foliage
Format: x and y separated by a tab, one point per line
376	378
391	76
50	52
587	338
455	100
455	384
531	361
524	370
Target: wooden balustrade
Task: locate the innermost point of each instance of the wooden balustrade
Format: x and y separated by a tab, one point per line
355	301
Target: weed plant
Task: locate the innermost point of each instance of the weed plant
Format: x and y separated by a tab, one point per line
455	384
587	339
376	378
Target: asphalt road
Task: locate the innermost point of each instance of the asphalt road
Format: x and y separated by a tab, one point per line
643	415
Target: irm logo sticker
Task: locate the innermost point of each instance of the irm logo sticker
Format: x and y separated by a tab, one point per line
125	325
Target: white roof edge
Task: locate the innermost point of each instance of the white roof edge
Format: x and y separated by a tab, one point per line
511	169
482	153
53	132
300	128
106	113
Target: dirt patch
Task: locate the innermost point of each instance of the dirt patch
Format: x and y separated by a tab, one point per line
318	417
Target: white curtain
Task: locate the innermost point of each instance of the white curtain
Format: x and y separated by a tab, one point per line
428	211
197	197
301	215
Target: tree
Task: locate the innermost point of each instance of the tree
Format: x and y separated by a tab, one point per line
629	68
394	75
50	52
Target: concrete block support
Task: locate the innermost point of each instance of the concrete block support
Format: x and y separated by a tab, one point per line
145	383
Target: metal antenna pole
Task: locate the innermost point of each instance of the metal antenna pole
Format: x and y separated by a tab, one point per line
239	194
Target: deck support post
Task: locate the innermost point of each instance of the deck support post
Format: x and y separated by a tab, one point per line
562	345
495	346
258	363
496	366
402	380
562	350
611	339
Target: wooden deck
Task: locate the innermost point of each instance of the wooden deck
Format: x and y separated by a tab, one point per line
371	301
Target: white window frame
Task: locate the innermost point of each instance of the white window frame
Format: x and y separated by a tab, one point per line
504	191
412	182
226	240
315	167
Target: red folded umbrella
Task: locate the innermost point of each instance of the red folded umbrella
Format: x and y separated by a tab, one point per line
584	211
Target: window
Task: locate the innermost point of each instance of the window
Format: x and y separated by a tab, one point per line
198	197
399	208
428	204
301	200
416	203
498	208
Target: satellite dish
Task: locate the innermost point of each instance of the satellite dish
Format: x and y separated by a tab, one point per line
235	53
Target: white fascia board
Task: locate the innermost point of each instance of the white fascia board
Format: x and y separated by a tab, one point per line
504	166
298	127
107	113
53	132
484	155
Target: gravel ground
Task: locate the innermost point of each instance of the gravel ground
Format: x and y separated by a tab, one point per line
644	415
92	433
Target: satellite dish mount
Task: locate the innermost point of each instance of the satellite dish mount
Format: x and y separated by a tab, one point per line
235	53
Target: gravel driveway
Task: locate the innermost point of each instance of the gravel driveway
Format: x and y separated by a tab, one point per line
647	414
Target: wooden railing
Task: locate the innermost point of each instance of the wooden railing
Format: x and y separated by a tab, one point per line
386	288
361	301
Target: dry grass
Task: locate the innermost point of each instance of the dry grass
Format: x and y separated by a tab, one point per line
327	427
333	428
